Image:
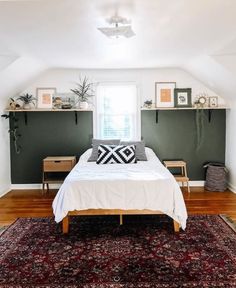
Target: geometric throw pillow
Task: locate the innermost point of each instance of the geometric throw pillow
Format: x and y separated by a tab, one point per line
96	142
119	154
140	149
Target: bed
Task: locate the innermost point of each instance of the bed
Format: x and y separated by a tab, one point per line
146	187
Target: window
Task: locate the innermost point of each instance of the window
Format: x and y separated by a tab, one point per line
117	115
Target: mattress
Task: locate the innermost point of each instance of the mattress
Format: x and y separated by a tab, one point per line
143	185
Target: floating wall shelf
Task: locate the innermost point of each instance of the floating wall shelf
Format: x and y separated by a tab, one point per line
47	110
185	108
25	111
209	109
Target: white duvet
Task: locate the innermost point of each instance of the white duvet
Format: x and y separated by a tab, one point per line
144	185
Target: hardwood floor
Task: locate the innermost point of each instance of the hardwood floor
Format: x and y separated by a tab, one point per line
32	203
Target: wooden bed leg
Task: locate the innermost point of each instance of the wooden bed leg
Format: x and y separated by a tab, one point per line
65	225
176	226
121	219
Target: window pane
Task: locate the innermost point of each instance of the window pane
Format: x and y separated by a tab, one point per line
117	111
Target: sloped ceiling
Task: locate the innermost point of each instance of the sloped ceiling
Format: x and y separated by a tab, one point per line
198	36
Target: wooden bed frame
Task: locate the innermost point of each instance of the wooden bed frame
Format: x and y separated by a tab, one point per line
89	212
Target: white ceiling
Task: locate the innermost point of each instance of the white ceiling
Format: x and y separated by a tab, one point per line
63	33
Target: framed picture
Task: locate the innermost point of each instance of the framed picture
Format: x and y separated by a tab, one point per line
164	92
213	101
45	97
183	97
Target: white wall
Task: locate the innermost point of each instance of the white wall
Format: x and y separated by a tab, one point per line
4	152
64	79
220	72
12	80
231	145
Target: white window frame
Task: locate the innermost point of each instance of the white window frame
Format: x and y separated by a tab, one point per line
138	110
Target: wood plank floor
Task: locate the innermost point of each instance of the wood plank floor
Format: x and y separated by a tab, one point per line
32	203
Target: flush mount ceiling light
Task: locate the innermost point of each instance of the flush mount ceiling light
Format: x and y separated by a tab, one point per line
119	27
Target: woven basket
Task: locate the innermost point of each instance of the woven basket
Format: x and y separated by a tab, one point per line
216	177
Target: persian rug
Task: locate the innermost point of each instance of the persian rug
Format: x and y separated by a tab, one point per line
99	253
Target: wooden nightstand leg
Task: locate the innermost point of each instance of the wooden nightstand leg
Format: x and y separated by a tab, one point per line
47	187
188	187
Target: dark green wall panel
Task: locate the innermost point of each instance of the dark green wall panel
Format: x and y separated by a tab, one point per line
48	133
173	137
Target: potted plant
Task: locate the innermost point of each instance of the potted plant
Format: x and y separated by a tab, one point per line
83	91
148	104
27	100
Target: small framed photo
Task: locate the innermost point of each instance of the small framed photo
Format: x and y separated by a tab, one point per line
183	97
164	93
45	97
213	101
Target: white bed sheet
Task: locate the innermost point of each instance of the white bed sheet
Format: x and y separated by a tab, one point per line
144	185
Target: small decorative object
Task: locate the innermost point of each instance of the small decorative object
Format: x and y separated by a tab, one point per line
183	97
213	101
84	91
57	102
201	101
27	100
13	105
148	104
45	96
66	106
164	92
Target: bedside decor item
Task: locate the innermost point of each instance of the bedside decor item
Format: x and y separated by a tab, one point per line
27	100
183	97
213	101
84	91
45	96
148	104
164	93
56	168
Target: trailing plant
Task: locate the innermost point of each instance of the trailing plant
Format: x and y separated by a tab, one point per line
199	120
84	89
14	133
148	103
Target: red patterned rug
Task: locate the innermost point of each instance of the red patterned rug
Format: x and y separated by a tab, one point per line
144	252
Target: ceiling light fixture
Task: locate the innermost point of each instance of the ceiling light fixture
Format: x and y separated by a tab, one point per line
120	28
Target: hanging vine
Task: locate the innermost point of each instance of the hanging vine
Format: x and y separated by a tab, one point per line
199	120
14	132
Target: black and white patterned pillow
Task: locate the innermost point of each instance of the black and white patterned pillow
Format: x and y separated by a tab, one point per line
119	154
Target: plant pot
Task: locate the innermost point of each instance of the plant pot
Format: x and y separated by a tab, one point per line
27	106
83	105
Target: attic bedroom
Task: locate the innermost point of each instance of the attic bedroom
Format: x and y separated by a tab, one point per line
118	146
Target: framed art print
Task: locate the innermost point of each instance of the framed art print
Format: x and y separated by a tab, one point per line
183	97
213	101
164	93
45	97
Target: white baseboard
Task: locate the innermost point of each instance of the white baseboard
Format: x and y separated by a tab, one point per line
199	183
231	187
4	190
33	186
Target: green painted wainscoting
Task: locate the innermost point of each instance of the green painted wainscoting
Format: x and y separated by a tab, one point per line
173	137
48	134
